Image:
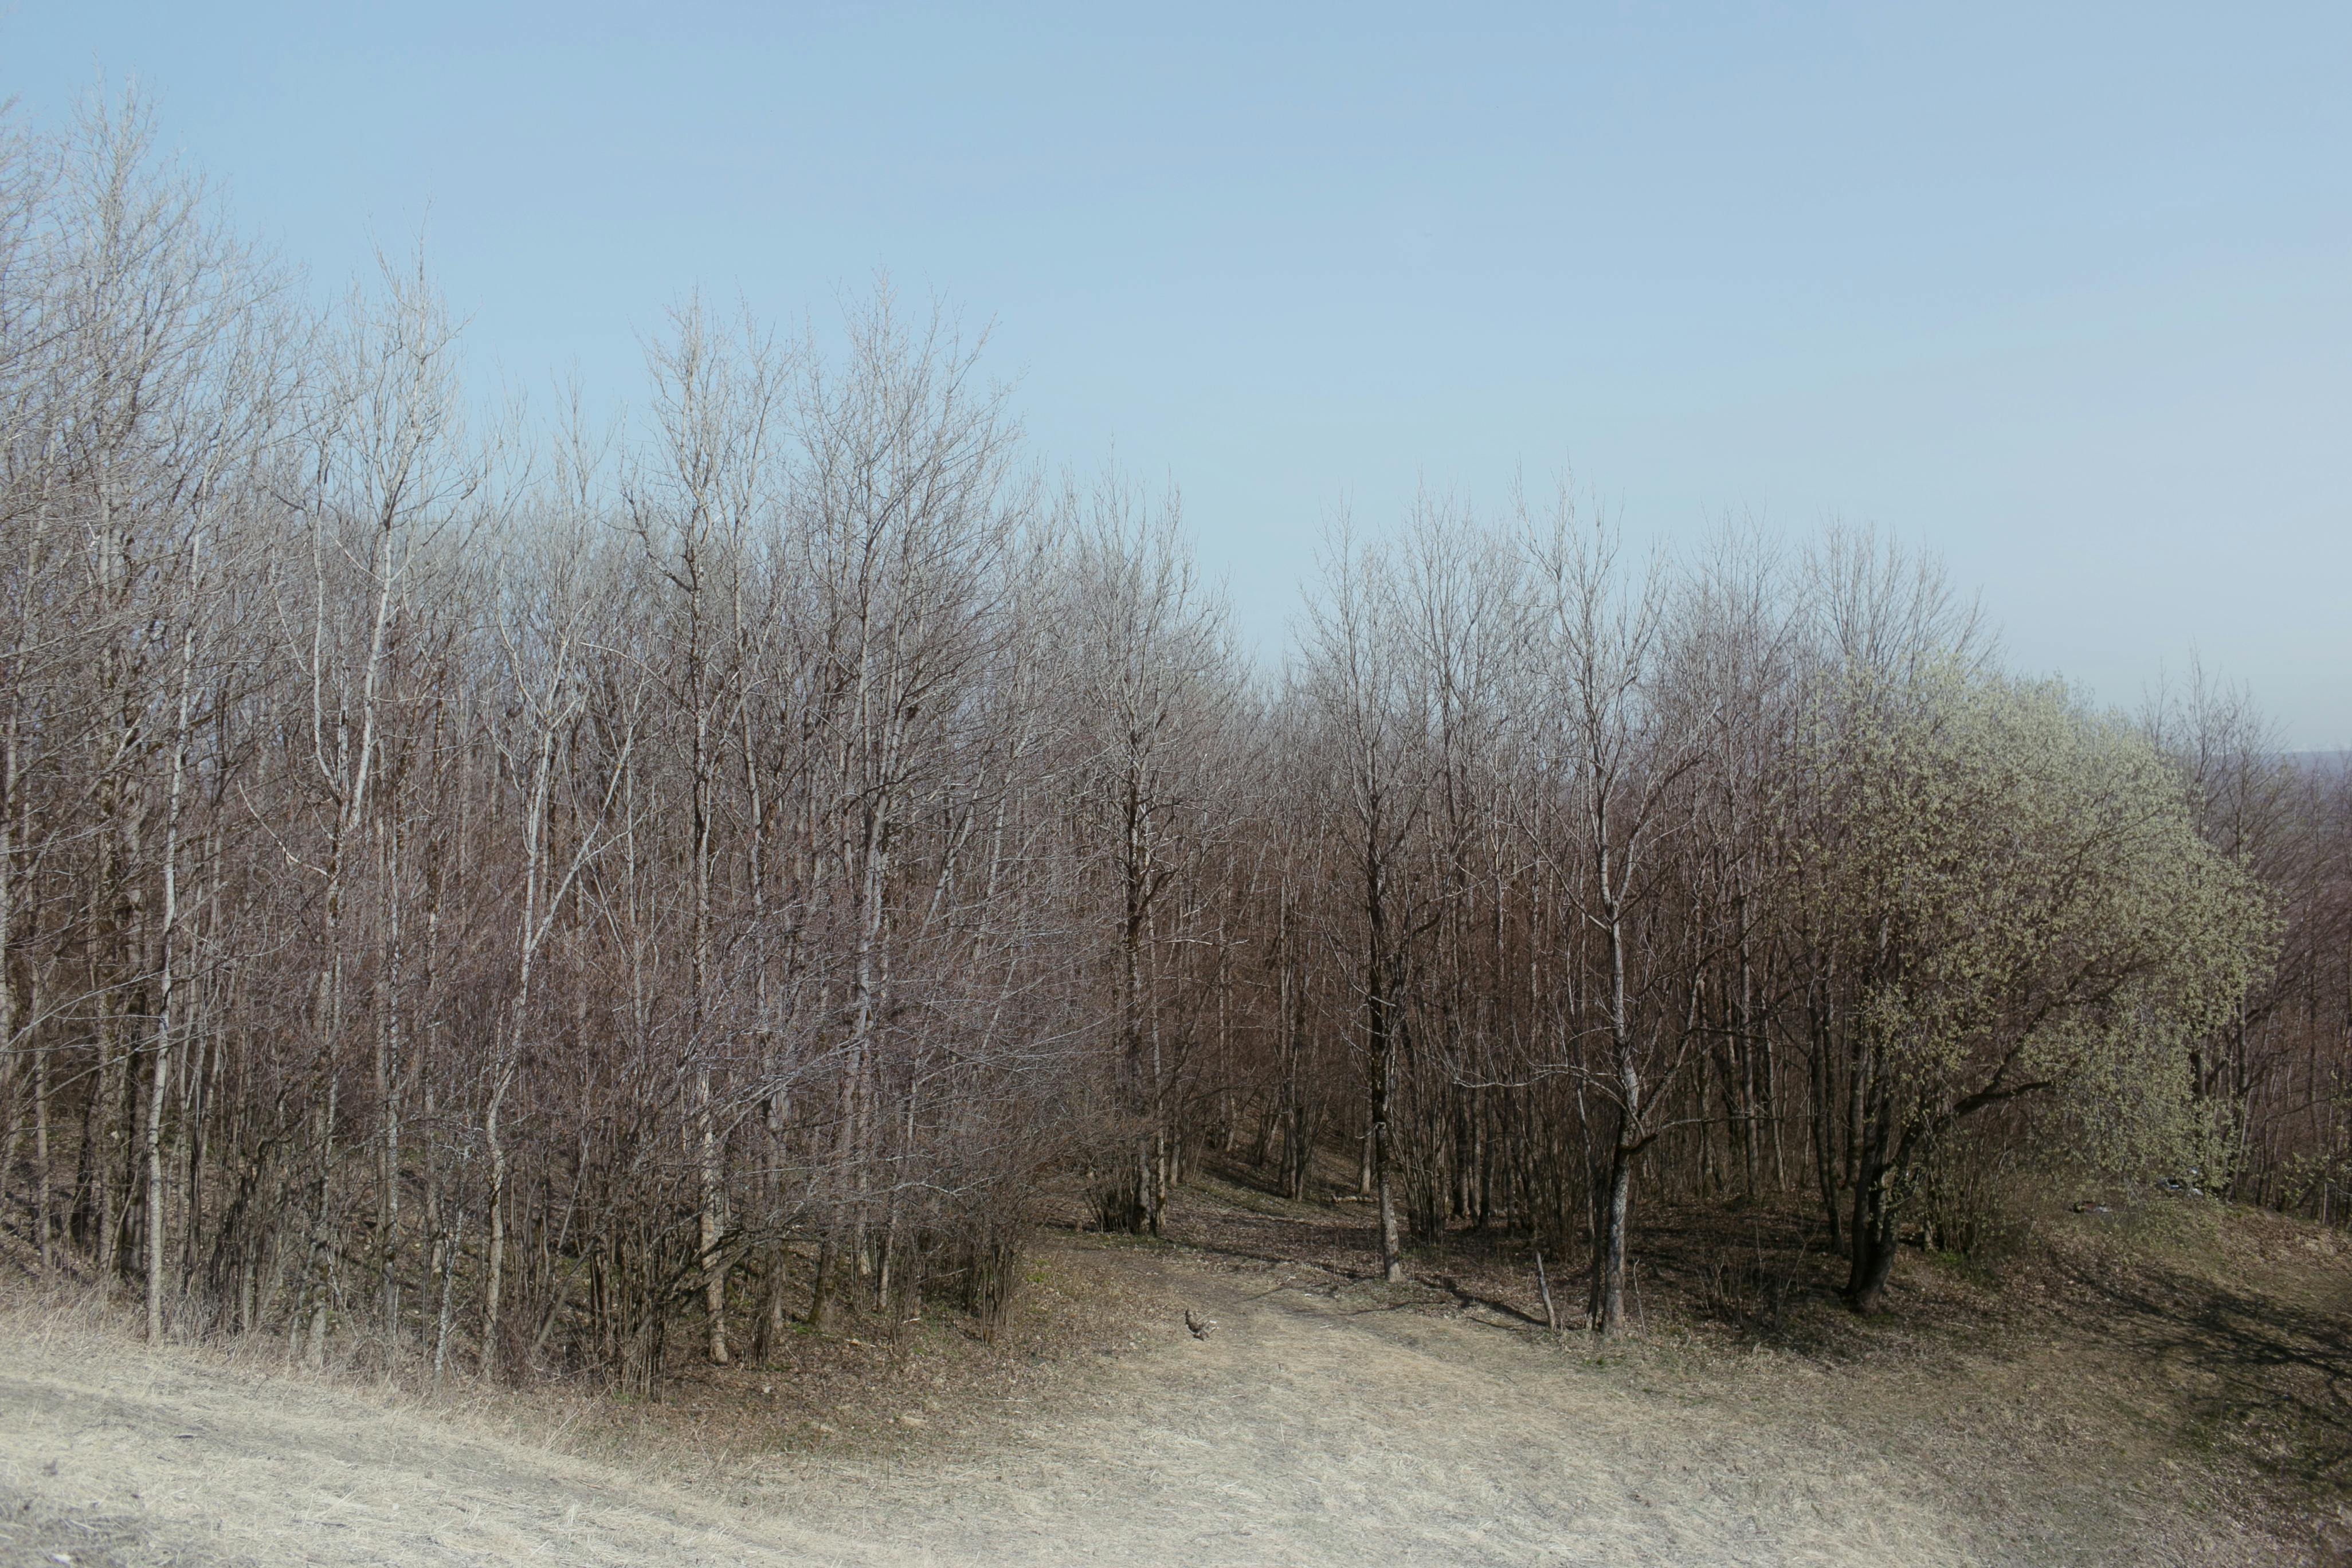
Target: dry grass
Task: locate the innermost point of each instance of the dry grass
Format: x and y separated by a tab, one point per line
2180	1365
869	1384
2129	1395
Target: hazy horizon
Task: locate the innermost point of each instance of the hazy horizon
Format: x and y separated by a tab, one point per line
2066	301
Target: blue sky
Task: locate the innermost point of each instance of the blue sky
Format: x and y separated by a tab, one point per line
2062	292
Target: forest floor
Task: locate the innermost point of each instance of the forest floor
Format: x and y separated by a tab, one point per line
2155	1386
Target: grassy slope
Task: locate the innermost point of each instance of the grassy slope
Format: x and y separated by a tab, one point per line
2157	1385
2182	1361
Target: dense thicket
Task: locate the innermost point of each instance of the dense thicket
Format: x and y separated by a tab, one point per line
511	894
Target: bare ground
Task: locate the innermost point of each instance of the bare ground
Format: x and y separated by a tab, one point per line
2120	1415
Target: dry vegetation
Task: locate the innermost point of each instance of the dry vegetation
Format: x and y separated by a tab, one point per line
640	928
2174	1356
2116	1394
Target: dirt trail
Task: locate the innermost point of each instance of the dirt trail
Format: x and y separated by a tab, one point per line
1317	1423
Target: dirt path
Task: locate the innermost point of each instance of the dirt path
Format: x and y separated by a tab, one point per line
1317	1423
135	1460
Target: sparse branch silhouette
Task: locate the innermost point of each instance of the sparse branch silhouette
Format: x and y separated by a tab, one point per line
524	900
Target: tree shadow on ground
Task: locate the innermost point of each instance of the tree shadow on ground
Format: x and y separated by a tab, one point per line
2269	1378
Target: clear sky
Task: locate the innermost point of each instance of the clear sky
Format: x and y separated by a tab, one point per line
2063	292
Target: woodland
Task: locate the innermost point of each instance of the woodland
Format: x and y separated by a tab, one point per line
502	891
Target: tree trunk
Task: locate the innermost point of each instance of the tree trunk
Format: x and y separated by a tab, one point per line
1608	1273
1873	1241
1873	1251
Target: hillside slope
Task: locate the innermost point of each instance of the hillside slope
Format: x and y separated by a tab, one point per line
1320	1421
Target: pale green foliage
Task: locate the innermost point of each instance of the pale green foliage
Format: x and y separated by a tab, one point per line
2024	910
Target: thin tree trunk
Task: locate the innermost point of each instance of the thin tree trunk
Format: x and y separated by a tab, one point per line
167	1018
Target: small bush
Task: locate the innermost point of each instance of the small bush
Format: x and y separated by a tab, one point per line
1972	1201
989	1267
1754	1286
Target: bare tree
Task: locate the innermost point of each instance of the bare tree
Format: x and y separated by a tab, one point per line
1151	681
1371	739
1617	771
